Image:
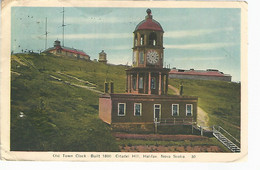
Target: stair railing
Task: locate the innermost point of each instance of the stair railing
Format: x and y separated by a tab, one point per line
219	129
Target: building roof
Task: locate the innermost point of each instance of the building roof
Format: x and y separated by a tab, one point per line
149	23
208	72
73	50
102	52
68	49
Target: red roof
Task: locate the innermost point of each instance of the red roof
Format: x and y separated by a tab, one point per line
199	73
149	24
75	52
72	51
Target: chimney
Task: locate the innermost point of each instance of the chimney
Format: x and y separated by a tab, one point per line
111	89
105	87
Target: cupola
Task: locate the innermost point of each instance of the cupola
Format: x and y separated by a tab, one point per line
149	23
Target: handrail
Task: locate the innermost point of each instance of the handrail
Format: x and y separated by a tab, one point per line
174	120
220	128
162	119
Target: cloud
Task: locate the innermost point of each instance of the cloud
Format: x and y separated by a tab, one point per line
120	47
120	59
201	46
193	58
93	20
95	36
194	33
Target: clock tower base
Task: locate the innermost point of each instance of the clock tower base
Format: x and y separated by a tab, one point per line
147	80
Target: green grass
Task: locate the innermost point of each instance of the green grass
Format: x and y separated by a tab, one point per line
221	100
61	117
58	117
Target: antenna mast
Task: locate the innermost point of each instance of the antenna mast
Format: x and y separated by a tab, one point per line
46	33
63	25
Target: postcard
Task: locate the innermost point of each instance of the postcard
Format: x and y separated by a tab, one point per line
124	81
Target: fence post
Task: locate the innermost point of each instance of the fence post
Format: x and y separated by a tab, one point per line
201	131
155	125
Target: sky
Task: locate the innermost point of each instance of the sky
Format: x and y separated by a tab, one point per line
198	38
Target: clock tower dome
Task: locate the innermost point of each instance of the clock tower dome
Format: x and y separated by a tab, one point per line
147	76
148	43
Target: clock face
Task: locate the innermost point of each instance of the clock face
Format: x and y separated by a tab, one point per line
152	57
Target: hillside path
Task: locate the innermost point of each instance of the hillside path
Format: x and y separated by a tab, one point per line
202	116
77	85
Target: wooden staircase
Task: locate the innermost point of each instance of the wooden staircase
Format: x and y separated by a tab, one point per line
222	135
218	133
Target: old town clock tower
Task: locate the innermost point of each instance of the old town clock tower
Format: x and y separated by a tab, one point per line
146	103
147	76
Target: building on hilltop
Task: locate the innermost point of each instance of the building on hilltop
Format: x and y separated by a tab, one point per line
102	57
57	49
209	74
146	104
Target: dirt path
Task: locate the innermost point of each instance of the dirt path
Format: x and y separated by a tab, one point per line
76	78
76	85
203	118
174	89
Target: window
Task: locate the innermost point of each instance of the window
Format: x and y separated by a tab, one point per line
134	83
157	112
134	57
188	109
153	83
162	86
141	82
135	39
175	109
142	40
152	39
138	109
141	57
121	109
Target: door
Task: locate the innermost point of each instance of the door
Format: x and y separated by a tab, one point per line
157	112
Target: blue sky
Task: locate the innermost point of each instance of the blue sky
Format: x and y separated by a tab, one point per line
198	38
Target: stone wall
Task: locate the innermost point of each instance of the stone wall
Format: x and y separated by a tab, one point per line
133	127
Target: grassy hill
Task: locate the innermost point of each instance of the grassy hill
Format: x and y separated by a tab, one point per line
221	100
57	114
54	103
